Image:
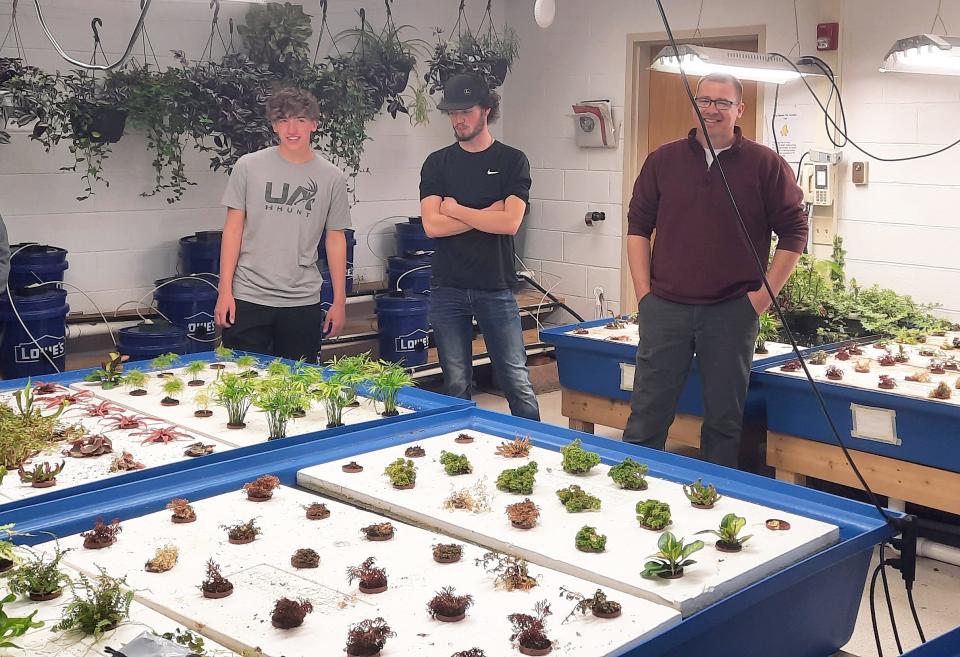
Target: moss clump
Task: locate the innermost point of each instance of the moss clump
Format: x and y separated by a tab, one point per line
577	460
575	499
455	464
629	474
518	480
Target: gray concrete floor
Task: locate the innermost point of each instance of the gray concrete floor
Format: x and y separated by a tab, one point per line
935	593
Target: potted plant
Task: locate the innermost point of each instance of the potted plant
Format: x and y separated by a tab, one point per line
833	373
517	448
942	391
769	329
317	511
288	614
818	358
574	499
110	372
215	585
447	552
518	480
126	462
509	573
380	531
463	439
672	558
351	371
89	446
161	435
577	460
368	637
276	35
242	532
455	464
588	540
98	606
305	558
198	449
40	579
475	498
332	393
472	652
653	514
371	578
414	452
183	513
234	392
201	403
886	382
279	400
8	558
448	607
223	355
529	632
173	387
352	467
730	540
194	369
523	515
386	382
277	369
101	535
402	473
629	475
700	496
261	489
136	381
598	604
164	362
163	560
42	475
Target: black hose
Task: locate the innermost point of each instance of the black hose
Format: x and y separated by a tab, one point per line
552	298
886	594
873	608
916	618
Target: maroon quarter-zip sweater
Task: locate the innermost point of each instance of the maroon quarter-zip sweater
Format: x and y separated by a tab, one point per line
699	255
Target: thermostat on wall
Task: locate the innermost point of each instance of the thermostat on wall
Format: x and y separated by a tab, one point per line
593	120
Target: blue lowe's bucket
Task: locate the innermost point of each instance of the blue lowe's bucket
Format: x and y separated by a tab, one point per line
415	273
147	341
29	352
200	253
402	323
349	234
35	263
411	238
189	303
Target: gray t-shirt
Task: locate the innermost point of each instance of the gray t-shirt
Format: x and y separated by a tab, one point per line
286	207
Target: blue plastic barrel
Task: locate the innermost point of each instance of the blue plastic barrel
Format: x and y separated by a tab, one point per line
189	303
200	253
402	323
26	352
411	238
147	341
36	263
418	278
350	236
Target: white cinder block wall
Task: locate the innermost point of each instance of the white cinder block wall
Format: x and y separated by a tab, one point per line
120	242
901	231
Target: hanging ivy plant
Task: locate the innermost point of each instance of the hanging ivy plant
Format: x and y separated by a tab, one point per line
276	35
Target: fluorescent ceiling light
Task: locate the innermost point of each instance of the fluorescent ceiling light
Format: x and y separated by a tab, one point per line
925	53
699	60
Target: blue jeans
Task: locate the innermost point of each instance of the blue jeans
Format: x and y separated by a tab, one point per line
451	312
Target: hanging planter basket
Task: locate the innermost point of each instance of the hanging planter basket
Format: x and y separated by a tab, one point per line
99	124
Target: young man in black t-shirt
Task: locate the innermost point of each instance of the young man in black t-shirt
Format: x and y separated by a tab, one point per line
473	195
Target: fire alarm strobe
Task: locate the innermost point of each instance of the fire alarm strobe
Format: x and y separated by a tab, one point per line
828	36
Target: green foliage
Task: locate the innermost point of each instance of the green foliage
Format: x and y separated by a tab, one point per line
109	373
195	368
41	472
518	480
575	499
173	387
164	362
730	527
12	626
135	379
246	362
224	354
489	55
672	557
6	545
818	358
701	495
24	431
333	393
769	329
278	369
97	605
276	35
629	474
588	540
279	399
234	392
598	602
577	460
455	464
39	575
186	638
401	472
386	381
653	514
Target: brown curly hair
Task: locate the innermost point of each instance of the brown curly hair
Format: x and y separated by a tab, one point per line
291	102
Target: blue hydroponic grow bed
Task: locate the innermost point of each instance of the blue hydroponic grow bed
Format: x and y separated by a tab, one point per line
945	645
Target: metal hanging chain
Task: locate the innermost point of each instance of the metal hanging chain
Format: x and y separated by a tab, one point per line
488	21
324	29
939	18
145	41
95	67
17	36
461	17
207	53
697	32
95	25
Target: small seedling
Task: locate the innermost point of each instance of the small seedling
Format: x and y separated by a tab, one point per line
125	463
110	373
288	614
629	474
224	354
518	480
101	535
672	558
510	573
455	464
136	382
475	499
39	578
700	496
577	460
523	515
653	514
317	511
182	511
173	387
161	435
598	604
575	499
262	487
729	531
163	560
942	391
215	585
446	605
529	630
368	637
164	362
588	540
305	558
518	448
402	473
244	532
97	606
42	475
381	531
194	369
371	578
818	358
447	552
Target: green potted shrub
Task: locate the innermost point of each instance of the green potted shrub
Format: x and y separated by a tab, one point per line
223	355
136	382
769	329
235	393
700	496
333	393
672	557
194	369
588	540
402	473
574	499
455	464
653	514
629	475
40	578
277	369
518	480
730	527
276	35
172	387
164	362
98	605
279	400
110	372
247	364
351	371
201	403
577	460
386	381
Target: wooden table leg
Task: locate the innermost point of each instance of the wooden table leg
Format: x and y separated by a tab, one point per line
580	425
791	477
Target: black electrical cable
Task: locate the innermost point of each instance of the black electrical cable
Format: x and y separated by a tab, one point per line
773	120
761	268
873	608
886	594
553	298
916	618
800	165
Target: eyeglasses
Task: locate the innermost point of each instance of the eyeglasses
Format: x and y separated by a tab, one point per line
722	104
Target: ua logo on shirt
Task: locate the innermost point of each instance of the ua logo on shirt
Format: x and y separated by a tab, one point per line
301	194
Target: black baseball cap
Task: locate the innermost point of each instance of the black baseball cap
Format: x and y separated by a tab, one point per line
463	91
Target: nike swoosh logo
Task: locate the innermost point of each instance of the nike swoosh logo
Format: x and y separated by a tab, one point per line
492	173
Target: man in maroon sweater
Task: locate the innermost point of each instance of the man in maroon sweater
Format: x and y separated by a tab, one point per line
700	292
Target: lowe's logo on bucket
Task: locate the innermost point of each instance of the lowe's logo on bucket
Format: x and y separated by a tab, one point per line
200	323
416	340
28	352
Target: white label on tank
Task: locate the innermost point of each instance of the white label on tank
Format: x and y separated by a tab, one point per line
626	376
871	423
30	352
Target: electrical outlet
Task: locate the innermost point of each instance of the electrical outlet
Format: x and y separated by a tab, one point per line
860	172
823	230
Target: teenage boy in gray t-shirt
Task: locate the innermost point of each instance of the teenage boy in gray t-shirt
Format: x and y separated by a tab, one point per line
279	200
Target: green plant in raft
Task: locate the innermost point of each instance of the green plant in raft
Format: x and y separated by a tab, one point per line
700	495
332	393
629	474
202	400
278	369
173	387
351	371
98	605
769	328
730	527
13	626
279	400
39	575
653	514
518	480
455	464
224	354
135	380
192	642
25	430
577	460
234	392
6	544
588	540
164	362
672	557
575	499
386	381
818	358
246	363
194	369
109	373
401	472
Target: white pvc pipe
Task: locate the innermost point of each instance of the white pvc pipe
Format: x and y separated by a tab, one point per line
938	551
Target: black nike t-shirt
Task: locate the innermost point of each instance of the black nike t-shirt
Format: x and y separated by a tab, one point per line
476	259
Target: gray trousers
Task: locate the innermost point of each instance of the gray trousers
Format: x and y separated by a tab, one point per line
723	336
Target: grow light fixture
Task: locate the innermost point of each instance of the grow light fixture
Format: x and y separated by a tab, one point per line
700	60
925	53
